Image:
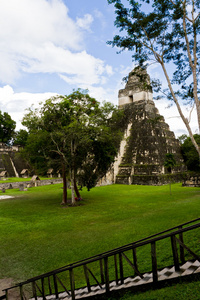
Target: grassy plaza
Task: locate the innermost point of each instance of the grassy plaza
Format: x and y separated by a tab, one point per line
38	234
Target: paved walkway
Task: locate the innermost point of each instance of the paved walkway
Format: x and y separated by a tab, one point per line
5	197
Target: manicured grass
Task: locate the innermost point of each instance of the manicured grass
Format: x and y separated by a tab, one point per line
19	179
37	234
185	290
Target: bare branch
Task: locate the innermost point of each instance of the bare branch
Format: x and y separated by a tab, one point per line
186	36
157	56
58	149
197	16
189	118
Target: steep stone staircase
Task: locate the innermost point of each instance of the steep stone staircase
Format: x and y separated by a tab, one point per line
118	269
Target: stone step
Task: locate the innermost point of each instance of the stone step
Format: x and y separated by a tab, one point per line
188	268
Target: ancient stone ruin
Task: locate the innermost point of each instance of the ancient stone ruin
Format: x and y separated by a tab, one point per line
11	164
147	138
142	152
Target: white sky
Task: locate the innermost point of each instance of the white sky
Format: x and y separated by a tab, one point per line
50	47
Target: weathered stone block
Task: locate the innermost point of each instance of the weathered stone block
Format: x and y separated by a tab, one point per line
21	187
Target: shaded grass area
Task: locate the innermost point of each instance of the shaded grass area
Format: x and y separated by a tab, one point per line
37	234
184	290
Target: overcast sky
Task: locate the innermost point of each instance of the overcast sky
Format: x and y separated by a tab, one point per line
50	47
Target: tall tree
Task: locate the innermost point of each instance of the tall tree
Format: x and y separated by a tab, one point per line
164	32
7	128
73	130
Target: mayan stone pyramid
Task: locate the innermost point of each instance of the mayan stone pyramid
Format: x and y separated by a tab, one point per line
147	138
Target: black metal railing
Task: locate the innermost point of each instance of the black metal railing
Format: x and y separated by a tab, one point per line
114	265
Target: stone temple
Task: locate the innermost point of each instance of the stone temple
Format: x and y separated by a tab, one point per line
11	164
147	138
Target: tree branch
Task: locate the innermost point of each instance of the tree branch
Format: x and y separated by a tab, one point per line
58	149
185	120
157	56
189	118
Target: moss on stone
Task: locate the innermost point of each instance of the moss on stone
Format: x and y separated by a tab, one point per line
149	141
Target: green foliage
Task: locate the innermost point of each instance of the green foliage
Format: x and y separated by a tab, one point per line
36	151
190	154
154	31
20	137
182	138
155	120
7	128
75	131
169	162
164	32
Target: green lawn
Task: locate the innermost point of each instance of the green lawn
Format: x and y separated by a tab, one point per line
20	179
37	234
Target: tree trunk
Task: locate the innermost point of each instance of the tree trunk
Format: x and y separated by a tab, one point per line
64	201
76	189
185	120
193	60
170	189
72	173
72	186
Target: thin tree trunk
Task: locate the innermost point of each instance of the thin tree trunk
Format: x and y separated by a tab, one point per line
76	189
185	120
193	66
72	173
192	59
72	186
64	201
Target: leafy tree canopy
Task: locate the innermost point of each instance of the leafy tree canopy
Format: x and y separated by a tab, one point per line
76	132
164	32
182	138
7	128
20	137
190	155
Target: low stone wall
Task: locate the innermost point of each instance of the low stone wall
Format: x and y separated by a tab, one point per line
192	180
157	179
25	184
150	179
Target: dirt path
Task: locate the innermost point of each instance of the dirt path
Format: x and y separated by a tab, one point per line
8	282
5	197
